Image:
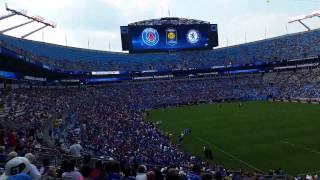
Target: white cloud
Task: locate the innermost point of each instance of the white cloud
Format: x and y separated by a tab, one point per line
44	4
136	8
125	4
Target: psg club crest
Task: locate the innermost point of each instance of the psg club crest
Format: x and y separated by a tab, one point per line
193	36
172	38
150	37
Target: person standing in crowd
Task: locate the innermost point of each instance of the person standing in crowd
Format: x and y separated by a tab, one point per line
141	175
205	151
75	149
45	166
113	170
12	140
12	155
47	172
39	136
195	173
206	176
128	174
21	176
172	174
97	170
11	170
2	136
69	171
3	156
34	172
85	171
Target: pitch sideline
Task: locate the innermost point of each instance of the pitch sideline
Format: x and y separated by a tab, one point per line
231	155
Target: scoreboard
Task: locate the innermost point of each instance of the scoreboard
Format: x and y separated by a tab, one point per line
157	38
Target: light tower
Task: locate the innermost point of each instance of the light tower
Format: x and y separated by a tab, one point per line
31	19
303	17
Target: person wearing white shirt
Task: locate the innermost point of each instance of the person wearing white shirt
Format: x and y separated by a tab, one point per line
141	175
75	150
34	172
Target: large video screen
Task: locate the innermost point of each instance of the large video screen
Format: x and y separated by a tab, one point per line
168	37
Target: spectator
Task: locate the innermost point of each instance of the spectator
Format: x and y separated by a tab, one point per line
195	173
3	156
172	174
21	176
75	149
85	171
69	171
141	174
34	172
113	170
12	170
12	155
47	172
128	174
97	170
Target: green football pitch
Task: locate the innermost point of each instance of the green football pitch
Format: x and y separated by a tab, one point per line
254	136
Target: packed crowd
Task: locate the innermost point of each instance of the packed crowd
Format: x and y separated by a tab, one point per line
108	122
287	47
93	169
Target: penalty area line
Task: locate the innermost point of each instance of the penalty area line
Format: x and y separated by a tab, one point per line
231	155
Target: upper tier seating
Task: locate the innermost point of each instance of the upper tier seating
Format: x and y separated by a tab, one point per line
286	47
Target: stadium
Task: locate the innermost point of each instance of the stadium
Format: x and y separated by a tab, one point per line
173	104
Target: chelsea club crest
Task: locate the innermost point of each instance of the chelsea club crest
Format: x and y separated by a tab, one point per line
193	36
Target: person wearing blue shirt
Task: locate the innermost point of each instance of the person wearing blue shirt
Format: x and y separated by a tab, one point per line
195	173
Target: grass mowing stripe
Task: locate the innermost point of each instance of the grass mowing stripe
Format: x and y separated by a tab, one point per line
231	155
300	147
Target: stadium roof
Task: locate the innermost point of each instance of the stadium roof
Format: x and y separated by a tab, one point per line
168	20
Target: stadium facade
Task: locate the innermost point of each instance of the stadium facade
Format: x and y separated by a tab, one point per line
67	64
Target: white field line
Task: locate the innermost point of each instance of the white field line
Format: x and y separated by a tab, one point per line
231	155
306	149
300	147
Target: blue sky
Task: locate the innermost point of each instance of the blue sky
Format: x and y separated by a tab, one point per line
98	21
